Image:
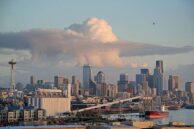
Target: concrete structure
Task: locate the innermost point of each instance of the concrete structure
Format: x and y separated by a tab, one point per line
123	83
173	83
87	74
52	101
106	104
12	83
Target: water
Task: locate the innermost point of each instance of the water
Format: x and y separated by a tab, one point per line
183	115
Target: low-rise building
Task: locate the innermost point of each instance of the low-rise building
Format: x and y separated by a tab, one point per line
13	114
52	101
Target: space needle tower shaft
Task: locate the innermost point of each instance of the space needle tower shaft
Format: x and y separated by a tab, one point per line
12	81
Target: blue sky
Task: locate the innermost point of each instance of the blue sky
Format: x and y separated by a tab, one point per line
131	20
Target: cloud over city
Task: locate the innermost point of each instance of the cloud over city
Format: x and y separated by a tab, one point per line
91	42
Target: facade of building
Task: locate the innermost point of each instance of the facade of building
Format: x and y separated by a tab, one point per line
189	87
173	82
158	78
158	81
14	114
140	78
87	76
75	84
33	80
58	81
108	90
123	83
100	77
52	101
145	71
92	87
159	65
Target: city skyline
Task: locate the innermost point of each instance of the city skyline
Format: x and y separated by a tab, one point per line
46	46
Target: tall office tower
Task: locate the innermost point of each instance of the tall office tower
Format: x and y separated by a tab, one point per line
33	80
140	78
100	77
123	83
59	81
173	82
75	86
189	87
92	88
87	73
158	78
159	65
145	71
149	77
150	81
66	81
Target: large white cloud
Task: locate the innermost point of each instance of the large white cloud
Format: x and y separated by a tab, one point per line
91	42
95	29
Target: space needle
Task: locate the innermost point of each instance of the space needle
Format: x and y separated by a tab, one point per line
12	81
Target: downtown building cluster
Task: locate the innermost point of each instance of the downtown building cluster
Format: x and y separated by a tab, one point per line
51	99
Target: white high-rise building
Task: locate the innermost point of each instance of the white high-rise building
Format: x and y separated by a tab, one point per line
87	73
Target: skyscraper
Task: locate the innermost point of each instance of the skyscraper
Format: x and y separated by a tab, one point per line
59	81
145	71
123	83
75	86
173	82
159	65
189	87
32	80
140	78
87	73
158	77
100	77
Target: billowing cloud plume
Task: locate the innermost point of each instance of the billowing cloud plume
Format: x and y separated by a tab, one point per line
95	29
91	42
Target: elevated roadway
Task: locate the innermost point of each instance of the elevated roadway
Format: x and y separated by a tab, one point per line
106	104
